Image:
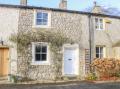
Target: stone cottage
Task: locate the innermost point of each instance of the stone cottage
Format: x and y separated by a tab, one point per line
95	35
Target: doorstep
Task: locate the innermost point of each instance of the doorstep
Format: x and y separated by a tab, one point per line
4	80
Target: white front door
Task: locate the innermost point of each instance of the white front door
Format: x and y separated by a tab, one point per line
70	61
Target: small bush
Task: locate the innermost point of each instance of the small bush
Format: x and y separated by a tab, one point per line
117	74
13	79
91	76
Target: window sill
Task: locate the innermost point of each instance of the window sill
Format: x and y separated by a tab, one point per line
100	29
40	26
40	63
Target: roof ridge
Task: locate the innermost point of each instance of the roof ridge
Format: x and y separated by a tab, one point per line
57	9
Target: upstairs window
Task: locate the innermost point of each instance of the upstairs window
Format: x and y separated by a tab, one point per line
42	18
99	24
100	52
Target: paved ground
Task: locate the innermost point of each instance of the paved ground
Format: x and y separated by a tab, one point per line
81	85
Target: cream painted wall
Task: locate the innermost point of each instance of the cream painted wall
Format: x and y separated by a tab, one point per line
9	24
109	36
117	52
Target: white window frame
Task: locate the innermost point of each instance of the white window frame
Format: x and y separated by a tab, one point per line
104	51
47	62
99	24
35	17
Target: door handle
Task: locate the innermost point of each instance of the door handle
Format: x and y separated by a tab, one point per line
69	59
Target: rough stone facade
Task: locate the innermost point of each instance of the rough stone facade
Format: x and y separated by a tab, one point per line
59	21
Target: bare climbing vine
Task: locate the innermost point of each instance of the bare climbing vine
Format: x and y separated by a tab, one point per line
54	38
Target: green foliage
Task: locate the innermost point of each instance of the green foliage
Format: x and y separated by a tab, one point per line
117	74
13	78
91	76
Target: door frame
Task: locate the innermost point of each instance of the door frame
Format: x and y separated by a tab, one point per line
76	47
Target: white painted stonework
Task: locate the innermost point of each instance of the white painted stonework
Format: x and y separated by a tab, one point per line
9	24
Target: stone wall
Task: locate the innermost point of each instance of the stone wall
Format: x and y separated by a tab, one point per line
74	26
25	67
71	24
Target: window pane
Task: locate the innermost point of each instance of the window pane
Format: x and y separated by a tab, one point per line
101	26
96	23
37	57
101	50
97	26
44	49
43	57
39	21
101	23
97	49
101	20
96	20
39	15
97	55
38	49
101	55
44	22
45	15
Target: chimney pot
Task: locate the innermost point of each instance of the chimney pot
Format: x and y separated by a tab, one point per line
63	4
23	2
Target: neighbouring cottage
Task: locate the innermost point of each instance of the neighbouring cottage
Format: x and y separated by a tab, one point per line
95	35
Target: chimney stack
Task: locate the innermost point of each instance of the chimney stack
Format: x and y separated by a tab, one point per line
63	4
23	2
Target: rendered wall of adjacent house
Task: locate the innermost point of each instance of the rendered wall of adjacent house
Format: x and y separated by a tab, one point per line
109	36
9	24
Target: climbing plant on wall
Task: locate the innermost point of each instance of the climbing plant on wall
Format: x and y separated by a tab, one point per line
54	38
